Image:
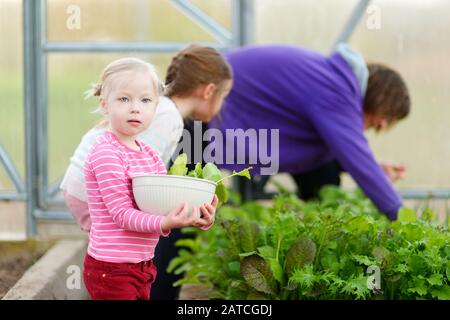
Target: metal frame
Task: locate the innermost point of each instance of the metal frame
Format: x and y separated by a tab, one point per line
352	22
36	192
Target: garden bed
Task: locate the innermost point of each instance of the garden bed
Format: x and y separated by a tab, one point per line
16	257
338	248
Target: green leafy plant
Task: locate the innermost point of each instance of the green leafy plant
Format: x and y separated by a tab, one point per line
208	172
323	249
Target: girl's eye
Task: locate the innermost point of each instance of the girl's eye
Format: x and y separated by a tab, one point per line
146	100
123	99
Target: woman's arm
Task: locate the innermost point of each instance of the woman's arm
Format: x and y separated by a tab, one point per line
343	132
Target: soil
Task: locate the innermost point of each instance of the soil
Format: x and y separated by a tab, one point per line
16	257
194	292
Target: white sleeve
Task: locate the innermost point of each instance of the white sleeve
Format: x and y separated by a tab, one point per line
73	181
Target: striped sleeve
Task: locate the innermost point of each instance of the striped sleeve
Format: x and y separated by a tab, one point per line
108	167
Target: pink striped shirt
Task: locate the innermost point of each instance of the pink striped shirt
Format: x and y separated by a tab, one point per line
120	232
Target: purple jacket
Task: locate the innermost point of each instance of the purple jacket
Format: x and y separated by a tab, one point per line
315	101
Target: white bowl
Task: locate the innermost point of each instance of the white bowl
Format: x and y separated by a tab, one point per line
159	194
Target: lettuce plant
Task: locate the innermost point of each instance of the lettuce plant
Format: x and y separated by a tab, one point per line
340	247
208	172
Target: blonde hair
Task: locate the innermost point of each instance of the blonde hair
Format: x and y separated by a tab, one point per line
118	66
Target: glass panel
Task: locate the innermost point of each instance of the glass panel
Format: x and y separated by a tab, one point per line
70	75
128	20
310	23
413	39
12	135
220	10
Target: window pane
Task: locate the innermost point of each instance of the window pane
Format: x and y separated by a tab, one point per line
12	135
310	23
129	20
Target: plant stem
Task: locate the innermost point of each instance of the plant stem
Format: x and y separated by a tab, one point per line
278	248
320	247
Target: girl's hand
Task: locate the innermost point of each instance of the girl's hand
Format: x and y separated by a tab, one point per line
179	218
208	213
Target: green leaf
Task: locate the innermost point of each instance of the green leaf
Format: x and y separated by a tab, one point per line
192	174
211	172
365	260
175	263
179	167
441	293
401	268
419	287
232	233
406	215
267	252
198	170
357	286
417	264
304	277
435	279
222	193
277	271
235	268
258	274
302	252
447	271
243	173
248	234
192	244
247	254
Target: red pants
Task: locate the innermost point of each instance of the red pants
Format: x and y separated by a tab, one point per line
118	281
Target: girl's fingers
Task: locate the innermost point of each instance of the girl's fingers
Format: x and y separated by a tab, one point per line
184	209
215	201
210	208
205	212
201	222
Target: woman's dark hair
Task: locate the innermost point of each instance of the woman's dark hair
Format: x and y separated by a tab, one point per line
386	94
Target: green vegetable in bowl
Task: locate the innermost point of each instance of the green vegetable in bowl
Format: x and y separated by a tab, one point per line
179	167
208	172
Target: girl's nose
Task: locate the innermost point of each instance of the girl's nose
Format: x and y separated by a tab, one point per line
134	108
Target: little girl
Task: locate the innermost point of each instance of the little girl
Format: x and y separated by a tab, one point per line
122	240
197	81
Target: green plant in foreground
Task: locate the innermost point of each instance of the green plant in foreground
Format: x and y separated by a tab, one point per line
318	250
208	172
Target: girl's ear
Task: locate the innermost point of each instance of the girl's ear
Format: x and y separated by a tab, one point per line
209	91
102	105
